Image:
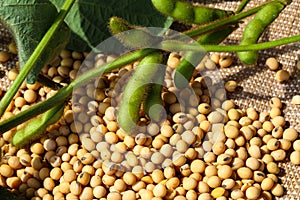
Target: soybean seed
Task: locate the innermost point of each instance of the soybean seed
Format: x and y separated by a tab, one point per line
295	157
290	134
273	168
253	193
277	190
4	56
296	100
214	181
267	184
225	61
282	75
272	63
230	86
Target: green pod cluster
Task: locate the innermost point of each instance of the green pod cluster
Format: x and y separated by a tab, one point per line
153	104
135	90
189	13
37	126
256	27
130	35
184	71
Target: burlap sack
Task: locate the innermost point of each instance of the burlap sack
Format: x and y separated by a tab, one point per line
257	84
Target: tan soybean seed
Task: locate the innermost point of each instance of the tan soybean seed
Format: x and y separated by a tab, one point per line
160	190
273	168
214	181
189	183
277	190
267	184
282	75
225	61
290	134
295	157
253	192
231	85
296	100
4	56
245	173
272	63
296	145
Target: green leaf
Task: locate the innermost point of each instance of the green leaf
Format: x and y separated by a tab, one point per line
88	19
28	21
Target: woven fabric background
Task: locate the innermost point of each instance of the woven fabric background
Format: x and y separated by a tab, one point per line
257	83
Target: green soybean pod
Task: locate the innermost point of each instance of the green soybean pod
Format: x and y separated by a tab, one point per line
189	13
186	67
130	35
37	126
135	90
256	27
153	104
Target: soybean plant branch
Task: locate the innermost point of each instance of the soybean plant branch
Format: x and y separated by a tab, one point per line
241	6
61	96
170	45
35	56
128	58
223	22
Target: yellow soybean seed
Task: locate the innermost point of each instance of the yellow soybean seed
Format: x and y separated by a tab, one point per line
275	102
282	76
6	170
197	166
225	171
275	111
252	163
278	155
160	190
253	192
273	168
225	61
278	121
296	100
295	157
4	56
12	48
272	63
215	58
277	190
267	184
217	192
290	134
230	86
189	183
296	145
214	181
129	194
245	173
273	144
129	178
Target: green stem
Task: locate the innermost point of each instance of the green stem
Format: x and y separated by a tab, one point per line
34	57
241	6
128	58
169	45
226	21
65	93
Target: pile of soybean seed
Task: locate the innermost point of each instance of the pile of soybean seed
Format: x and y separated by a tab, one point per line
208	150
